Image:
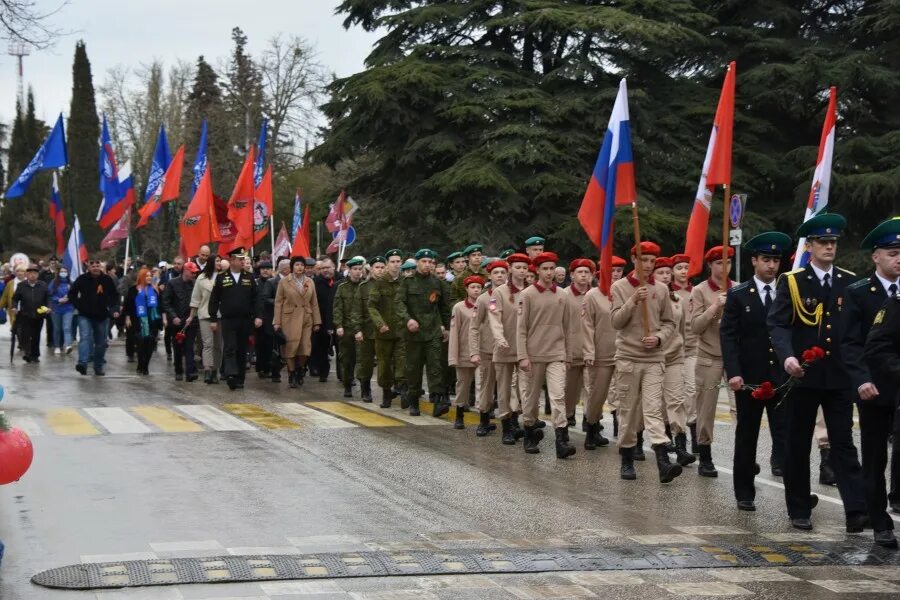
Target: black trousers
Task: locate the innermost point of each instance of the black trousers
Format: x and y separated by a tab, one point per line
29	331
801	407
746	436
168	340
264	344
184	352
894	494
235	333
319	362
145	348
131	339
875	424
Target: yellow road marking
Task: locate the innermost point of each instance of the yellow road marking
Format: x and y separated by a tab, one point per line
469	418
68	421
775	557
167	420
362	416
258	416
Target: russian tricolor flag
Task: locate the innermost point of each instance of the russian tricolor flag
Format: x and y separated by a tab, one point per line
56	215
611	185
821	183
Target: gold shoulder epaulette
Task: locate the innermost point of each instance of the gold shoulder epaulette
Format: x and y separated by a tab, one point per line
795	271
846	271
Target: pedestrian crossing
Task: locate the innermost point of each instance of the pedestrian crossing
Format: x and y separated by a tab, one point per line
234	417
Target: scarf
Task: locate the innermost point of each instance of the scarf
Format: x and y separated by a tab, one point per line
146	305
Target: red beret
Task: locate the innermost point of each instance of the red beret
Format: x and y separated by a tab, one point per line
618	261
715	253
663	261
532	269
545	257
518	257
497	264
582	262
680	258
473	279
647	248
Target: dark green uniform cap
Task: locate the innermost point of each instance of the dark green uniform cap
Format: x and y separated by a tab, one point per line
535	240
393	252
769	243
356	261
453	256
885	235
378	259
426	253
823	226
472	248
507	252
409	264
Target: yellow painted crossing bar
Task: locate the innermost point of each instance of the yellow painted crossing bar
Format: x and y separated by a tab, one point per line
356	414
469	418
259	416
167	420
68	421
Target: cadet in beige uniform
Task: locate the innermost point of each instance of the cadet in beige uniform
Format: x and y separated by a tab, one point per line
581	271
618	271
673	382
682	287
543	353
599	357
503	316
708	301
640	362
481	346
459	354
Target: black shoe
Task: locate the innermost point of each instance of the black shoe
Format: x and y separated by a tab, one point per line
262	374
540	424
414	407
191	377
99	372
484	425
895	507
81	368
348	392
813	501
179	377
533	437
365	390
509	436
232	383
886	538
386	396
276	377
695	445
706	468
639	448
563	448
460	422
438	408
682	456
756	469
667	471
746	505
856	523
804	524
403	392
571	420
777	471
826	473
626	471
517	430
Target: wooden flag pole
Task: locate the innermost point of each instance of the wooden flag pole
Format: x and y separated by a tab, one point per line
639	266
726	265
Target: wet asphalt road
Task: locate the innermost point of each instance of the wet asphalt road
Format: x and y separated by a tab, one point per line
318	481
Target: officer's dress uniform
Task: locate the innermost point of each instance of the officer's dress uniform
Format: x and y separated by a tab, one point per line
232	304
813	316
748	353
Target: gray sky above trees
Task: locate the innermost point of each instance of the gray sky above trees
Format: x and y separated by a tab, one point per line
138	31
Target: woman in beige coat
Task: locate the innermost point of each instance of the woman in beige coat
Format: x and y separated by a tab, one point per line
296	317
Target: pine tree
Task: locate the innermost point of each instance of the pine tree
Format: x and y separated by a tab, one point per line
205	102
80	191
243	93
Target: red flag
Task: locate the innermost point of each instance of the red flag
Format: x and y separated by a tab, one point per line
240	206
118	232
262	207
282	244
335	219
716	170
199	225
167	190
301	238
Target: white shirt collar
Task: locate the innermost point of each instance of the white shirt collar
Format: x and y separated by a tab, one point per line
821	274
235	276
760	284
886	283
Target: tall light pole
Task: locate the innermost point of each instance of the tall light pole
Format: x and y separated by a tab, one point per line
20	50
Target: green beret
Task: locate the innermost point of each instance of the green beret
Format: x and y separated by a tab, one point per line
534	240
409	264
823	226
769	243
885	235
506	253
394	252
356	261
453	256
472	248
485	261
426	253
378	259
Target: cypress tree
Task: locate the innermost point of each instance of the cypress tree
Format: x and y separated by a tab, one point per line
205	102
81	194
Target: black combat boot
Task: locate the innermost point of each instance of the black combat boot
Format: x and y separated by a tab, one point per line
292	379
563	448
403	391
707	468
570	420
509	437
826	472
695	444
301	373
517	430
460	423
639	447
626	471
439	406
615	416
533	437
485	426
413	406
348	391
387	394
276	376
365	390
594	439
667	471
682	456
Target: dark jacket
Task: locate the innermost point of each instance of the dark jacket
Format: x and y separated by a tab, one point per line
128	307
882	349
325	290
421	297
94	297
176	299
233	300
265	303
746	348
862	301
28	298
791	336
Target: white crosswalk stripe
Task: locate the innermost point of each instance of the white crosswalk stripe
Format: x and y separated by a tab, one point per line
311	416
116	420
214	418
27	424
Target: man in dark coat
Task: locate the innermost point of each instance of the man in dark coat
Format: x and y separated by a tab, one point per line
323	340
265	309
176	301
95	297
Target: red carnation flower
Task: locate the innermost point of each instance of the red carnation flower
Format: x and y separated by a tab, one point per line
765	391
180	337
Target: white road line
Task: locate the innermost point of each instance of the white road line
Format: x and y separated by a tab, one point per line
185	546
312	417
116	420
27	424
214	418
401	415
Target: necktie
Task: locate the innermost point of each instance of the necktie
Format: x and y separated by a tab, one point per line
892	290
768	299
826	281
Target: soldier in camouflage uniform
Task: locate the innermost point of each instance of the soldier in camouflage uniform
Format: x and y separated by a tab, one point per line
365	330
345	328
390	343
422	306
474	255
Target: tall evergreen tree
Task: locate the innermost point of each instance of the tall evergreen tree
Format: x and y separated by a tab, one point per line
205	102
80	189
243	93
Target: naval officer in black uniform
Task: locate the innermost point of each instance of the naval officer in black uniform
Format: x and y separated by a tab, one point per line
232	307
807	312
875	393
749	359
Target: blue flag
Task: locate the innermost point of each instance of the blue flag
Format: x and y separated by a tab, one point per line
259	167
201	161
161	160
298	200
50	155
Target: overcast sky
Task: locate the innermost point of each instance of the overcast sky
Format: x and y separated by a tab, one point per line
132	32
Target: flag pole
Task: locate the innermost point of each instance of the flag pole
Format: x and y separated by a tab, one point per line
127	242
272	234
726	265
318	241
639	266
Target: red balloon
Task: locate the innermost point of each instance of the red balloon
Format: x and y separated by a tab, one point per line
16	453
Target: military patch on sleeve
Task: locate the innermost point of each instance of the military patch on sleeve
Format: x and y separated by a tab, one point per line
879	317
583	309
492	306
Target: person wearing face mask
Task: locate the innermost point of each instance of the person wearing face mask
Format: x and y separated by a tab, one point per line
61	312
